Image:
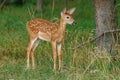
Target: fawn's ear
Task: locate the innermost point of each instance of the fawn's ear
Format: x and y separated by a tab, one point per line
71	10
63	12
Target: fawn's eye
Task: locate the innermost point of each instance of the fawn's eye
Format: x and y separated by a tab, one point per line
67	17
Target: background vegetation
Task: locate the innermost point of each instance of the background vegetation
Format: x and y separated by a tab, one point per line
80	64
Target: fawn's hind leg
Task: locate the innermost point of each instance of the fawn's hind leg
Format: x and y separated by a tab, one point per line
29	49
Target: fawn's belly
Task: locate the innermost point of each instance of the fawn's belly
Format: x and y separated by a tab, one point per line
44	36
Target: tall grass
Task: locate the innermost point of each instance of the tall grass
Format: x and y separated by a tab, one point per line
79	64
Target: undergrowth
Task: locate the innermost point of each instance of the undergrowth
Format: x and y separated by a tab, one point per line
79	64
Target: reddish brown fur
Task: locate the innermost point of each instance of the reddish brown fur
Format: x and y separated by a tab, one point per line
45	30
36	25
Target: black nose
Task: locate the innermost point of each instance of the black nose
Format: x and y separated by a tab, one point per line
74	22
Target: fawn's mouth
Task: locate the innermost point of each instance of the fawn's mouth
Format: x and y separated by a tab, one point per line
74	22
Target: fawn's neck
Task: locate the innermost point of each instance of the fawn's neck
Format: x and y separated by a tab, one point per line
62	26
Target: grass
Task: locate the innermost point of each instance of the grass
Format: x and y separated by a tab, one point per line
80	64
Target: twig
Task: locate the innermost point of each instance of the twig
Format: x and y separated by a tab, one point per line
1	6
93	39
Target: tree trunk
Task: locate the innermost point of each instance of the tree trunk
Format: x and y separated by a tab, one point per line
39	5
106	20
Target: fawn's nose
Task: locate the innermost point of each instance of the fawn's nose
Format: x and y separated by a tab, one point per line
74	22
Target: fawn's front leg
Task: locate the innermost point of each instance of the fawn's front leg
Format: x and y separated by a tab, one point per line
54	54
59	55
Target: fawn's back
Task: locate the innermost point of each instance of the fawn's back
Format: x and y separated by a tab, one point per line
42	28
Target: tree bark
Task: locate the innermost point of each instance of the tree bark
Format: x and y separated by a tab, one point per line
106	20
39	5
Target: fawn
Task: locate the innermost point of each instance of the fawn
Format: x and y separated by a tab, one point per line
40	29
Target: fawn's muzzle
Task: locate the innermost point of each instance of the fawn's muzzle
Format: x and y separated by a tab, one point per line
74	22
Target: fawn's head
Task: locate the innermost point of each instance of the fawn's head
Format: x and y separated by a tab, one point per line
67	16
